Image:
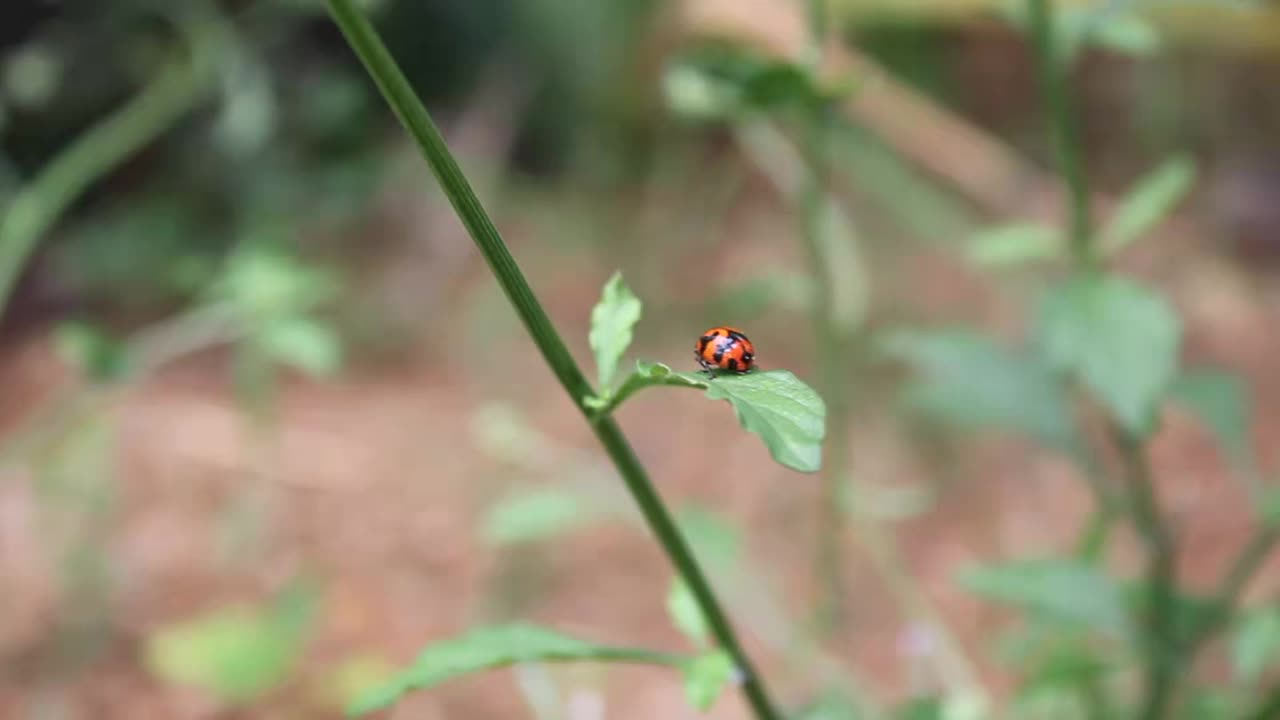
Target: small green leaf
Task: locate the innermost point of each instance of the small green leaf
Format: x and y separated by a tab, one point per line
715	539
1121	339
611	323
968	380
1060	590
1128	33
1016	244
535	515
1148	203
238	653
786	413
494	647
685	614
833	704
923	708
1220	401
305	344
705	678
1270	510
1255	645
100	356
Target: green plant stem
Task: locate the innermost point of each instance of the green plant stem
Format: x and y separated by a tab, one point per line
834	339
1062	130
1227	599
1161	643
400	96
39	204
1269	707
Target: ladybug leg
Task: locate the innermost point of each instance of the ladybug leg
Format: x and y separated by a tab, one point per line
706	366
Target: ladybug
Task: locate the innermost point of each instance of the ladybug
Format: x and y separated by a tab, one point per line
725	348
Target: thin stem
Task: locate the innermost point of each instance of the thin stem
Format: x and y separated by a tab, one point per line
833	337
1269	707
39	204
1062	130
1237	577
1161	643
400	96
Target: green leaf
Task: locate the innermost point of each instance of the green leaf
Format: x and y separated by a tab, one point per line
238	653
1015	244
1127	33
495	647
305	344
1148	203
1058	590
685	614
968	380
1220	401
611	322
535	515
786	413
1121	339
1270	510
1255	645
715	539
721	81
101	357
833	704
923	708
705	678
776	405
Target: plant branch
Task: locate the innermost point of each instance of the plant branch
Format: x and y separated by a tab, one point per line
832	337
1062	130
1160	636
1227	599
1269	707
103	147
400	96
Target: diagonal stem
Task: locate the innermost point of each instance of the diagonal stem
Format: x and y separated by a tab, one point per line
400	96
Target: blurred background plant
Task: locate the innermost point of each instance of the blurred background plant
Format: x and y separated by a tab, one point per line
267	429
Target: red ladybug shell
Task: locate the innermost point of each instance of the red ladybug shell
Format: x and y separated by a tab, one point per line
725	348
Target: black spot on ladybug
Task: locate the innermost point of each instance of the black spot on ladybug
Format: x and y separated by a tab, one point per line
733	364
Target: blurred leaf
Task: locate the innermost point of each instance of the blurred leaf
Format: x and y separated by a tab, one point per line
722	82
265	284
305	344
968	380
1121	339
101	357
493	647
1128	33
1148	203
776	405
831	705
611	323
352	678
715	539
754	296
1270	510
237	653
1255	645
706	677
685	614
535	515
1207	703
1016	244
1059	590
1109	25
1221	403
924	708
